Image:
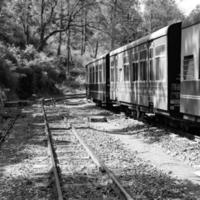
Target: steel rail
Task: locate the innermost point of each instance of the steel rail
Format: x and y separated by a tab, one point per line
52	155
65	97
10	126
102	166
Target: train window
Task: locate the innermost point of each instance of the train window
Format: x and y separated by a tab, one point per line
160	62
135	56
160	65
115	74
91	75
126	66
143	64
135	71
143	70
160	50
116	60
90	79
112	74
134	53
113	65
143	55
188	67
126	72
94	74
112	61
92	70
151	53
100	74
151	68
97	67
125	57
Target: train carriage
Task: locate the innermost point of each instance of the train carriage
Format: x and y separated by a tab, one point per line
97	84
190	73
145	75
159	73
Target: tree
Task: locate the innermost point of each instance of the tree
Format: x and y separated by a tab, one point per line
193	17
10	31
115	22
160	13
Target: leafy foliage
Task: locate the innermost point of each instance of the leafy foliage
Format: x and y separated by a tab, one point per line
160	13
194	16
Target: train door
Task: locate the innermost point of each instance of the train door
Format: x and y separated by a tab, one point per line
115	74
174	58
87	81
151	73
119	78
107	77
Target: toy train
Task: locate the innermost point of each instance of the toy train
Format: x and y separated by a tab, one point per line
159	73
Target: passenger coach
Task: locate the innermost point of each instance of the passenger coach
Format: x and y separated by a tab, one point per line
145	74
159	73
190	73
97	83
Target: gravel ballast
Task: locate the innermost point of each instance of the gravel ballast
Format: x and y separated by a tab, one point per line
140	177
24	164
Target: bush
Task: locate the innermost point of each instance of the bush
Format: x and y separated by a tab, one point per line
29	53
7	79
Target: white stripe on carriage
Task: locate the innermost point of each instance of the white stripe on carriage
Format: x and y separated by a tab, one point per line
190	97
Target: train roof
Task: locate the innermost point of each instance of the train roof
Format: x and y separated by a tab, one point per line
188	24
97	59
157	34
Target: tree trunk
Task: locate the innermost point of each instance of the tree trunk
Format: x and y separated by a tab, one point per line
68	39
61	26
96	49
113	23
42	28
83	31
68	50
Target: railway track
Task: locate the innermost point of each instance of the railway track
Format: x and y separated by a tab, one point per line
78	172
65	97
5	132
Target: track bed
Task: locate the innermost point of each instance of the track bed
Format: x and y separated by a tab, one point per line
79	175
26	170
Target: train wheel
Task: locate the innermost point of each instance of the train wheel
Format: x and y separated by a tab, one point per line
185	127
139	114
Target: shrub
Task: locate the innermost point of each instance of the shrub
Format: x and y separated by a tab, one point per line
25	87
29	53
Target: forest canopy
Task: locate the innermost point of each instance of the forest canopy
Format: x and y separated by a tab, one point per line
46	43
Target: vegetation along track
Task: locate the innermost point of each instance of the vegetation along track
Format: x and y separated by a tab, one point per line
77	176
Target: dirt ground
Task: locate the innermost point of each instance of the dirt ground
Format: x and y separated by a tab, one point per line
167	151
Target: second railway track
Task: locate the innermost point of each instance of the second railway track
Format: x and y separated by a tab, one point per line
4	133
79	174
